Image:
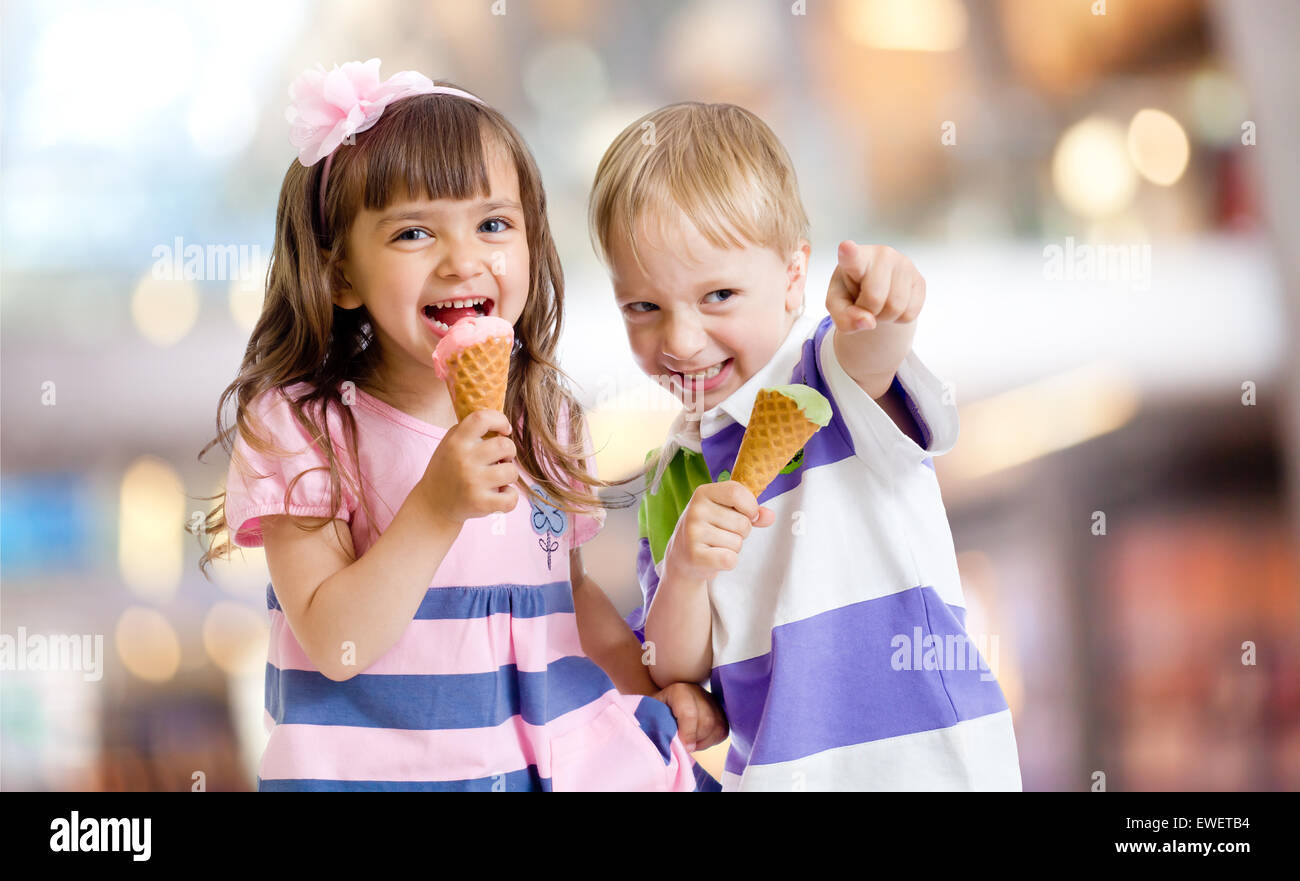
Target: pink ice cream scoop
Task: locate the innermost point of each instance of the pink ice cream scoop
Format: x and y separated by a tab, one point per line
473	358
468	332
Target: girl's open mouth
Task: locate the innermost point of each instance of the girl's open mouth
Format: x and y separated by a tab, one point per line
441	316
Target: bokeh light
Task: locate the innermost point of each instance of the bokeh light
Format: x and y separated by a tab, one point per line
151	523
164	310
916	25
246	296
1052	414
1218	107
1158	146
1091	170
147	644
234	637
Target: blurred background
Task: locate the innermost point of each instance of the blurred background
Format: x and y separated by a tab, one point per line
1101	196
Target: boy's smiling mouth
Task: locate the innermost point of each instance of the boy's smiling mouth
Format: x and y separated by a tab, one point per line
442	314
703	380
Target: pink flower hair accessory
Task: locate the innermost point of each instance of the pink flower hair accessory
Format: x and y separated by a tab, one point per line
329	107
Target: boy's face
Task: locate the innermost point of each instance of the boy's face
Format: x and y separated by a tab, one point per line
701	319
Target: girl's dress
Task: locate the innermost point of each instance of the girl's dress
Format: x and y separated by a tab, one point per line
488	688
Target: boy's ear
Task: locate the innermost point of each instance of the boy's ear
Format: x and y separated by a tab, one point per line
796	276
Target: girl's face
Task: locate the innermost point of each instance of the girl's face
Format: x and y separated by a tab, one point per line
420	266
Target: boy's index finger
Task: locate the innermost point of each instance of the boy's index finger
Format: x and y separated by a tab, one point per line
842	299
853	261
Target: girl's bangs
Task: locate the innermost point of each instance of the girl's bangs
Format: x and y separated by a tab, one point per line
428	146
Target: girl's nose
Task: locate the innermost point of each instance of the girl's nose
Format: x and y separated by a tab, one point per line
461	259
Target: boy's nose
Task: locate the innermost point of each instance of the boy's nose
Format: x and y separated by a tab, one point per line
683	339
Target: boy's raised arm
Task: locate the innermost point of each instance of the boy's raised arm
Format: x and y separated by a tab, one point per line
874	299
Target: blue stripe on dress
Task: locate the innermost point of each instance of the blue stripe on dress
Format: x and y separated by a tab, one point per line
427	702
526	780
517	600
829	680
659	724
704	781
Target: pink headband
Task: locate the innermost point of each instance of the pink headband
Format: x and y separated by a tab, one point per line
328	108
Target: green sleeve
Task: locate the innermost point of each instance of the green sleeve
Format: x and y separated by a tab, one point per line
658	513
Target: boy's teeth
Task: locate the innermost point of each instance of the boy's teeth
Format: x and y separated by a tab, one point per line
705	374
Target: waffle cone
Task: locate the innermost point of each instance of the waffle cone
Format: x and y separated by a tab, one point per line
777	430
476	376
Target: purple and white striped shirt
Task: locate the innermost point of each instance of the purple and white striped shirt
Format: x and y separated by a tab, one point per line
834	637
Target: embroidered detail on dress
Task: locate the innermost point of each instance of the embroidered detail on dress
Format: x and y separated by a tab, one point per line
547	521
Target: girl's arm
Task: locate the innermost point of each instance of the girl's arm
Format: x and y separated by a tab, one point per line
608	641
605	636
347	612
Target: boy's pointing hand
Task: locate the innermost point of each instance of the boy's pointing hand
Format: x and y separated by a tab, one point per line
872	284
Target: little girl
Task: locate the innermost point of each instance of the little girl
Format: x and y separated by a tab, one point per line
432	627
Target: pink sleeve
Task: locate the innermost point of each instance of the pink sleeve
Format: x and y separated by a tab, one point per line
250	496
585	526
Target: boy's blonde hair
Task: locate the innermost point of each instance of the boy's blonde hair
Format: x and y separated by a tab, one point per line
718	163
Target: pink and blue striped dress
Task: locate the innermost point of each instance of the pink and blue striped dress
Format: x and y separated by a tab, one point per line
488	687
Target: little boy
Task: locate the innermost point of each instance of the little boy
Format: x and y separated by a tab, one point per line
806	634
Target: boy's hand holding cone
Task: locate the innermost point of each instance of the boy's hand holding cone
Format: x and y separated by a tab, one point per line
719	516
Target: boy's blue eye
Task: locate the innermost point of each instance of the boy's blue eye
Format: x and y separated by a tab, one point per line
634	306
729	294
402	235
505	224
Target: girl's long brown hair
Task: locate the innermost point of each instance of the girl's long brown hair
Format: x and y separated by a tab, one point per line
430	144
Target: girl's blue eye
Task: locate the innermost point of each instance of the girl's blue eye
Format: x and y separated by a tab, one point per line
649	306
504	223
402	235
729	294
